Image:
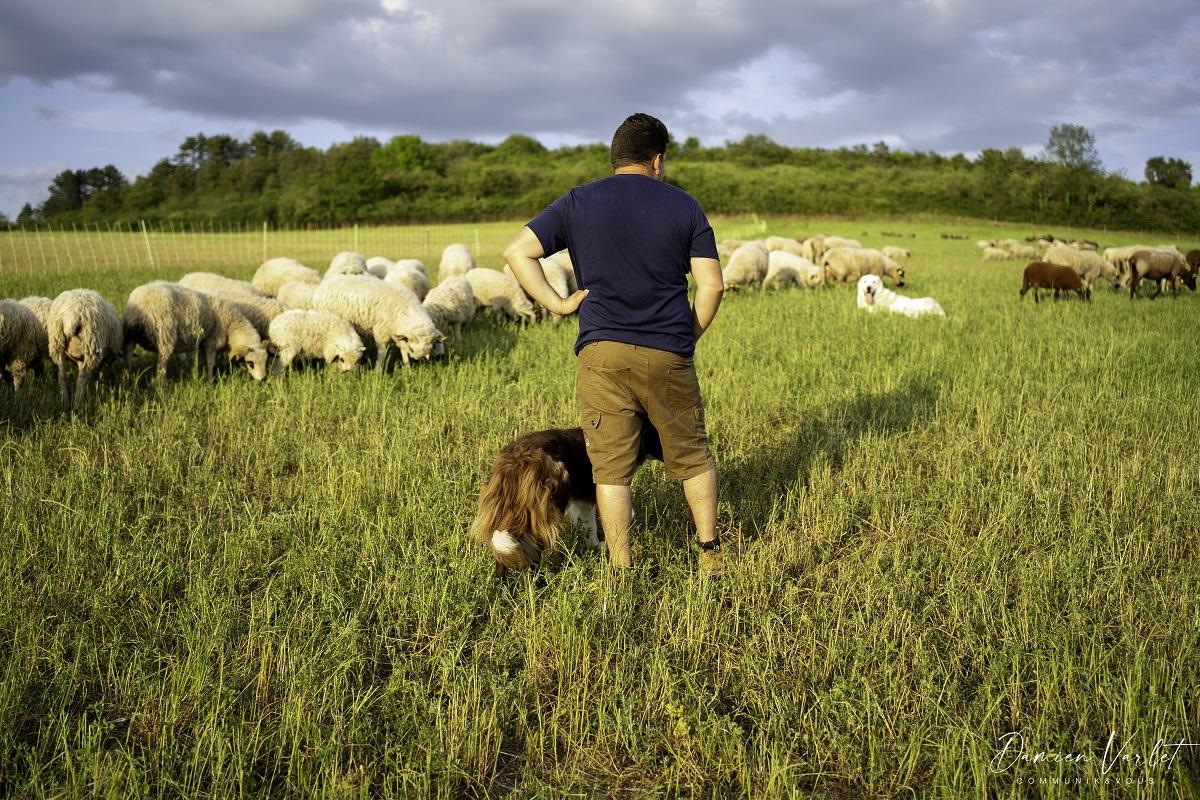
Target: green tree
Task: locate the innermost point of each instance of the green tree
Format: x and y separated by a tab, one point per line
1073	146
1174	173
26	216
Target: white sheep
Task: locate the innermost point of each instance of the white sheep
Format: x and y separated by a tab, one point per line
501	293
1021	251
787	269
22	341
253	304
379	266
315	334
347	263
1089	264
843	264
275	272
296	294
747	266
985	243
83	328
831	242
563	259
411	263
40	306
451	304
406	274
995	254
726	247
556	276
385	313
456	260
166	318
895	253
1120	257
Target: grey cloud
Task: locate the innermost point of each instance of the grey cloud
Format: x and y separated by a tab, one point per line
932	74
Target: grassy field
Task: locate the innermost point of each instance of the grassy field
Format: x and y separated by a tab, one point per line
951	530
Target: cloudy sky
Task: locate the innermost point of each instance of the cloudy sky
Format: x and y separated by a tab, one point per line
89	82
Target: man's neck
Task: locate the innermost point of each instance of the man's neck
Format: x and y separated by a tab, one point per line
635	169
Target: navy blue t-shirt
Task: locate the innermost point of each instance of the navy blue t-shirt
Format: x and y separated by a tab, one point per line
631	239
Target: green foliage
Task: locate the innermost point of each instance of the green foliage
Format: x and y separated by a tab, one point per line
271	177
1073	146
1174	173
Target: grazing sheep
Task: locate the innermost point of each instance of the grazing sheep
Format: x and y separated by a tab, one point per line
347	263
451	304
983	244
556	276
315	334
563	259
995	254
1158	267
1022	251
1042	275
873	296
407	275
166	318
843	264
82	328
456	260
296	294
40	306
727	246
251	303
501	293
22	341
838	241
895	253
787	269
747	266
410	264
274	273
774	243
385	313
1084	244
1090	265
379	266
1120	257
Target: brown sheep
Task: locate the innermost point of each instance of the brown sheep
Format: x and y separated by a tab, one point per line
1159	266
1042	275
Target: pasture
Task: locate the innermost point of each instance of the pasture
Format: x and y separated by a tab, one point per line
950	530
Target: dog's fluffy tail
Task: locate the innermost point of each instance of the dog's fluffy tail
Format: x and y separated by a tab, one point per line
518	517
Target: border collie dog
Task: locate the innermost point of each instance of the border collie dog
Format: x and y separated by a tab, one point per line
541	483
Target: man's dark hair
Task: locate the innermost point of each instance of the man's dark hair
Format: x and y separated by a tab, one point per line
640	138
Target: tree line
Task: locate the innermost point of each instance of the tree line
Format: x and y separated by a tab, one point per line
271	177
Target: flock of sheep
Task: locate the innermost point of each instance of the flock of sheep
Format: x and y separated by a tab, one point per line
287	309
292	312
1123	267
777	262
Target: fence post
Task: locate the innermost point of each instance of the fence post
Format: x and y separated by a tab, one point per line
41	247
146	239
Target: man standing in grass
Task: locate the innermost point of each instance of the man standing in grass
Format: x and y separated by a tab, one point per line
633	240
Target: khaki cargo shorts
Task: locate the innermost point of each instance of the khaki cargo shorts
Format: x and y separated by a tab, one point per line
620	385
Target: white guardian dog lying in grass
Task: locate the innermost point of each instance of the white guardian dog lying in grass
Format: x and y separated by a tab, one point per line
874	296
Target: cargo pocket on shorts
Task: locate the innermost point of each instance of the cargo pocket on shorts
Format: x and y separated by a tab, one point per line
604	389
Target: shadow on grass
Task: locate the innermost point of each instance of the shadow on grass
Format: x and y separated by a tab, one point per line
750	484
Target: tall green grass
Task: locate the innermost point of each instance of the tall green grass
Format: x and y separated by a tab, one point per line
950	530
